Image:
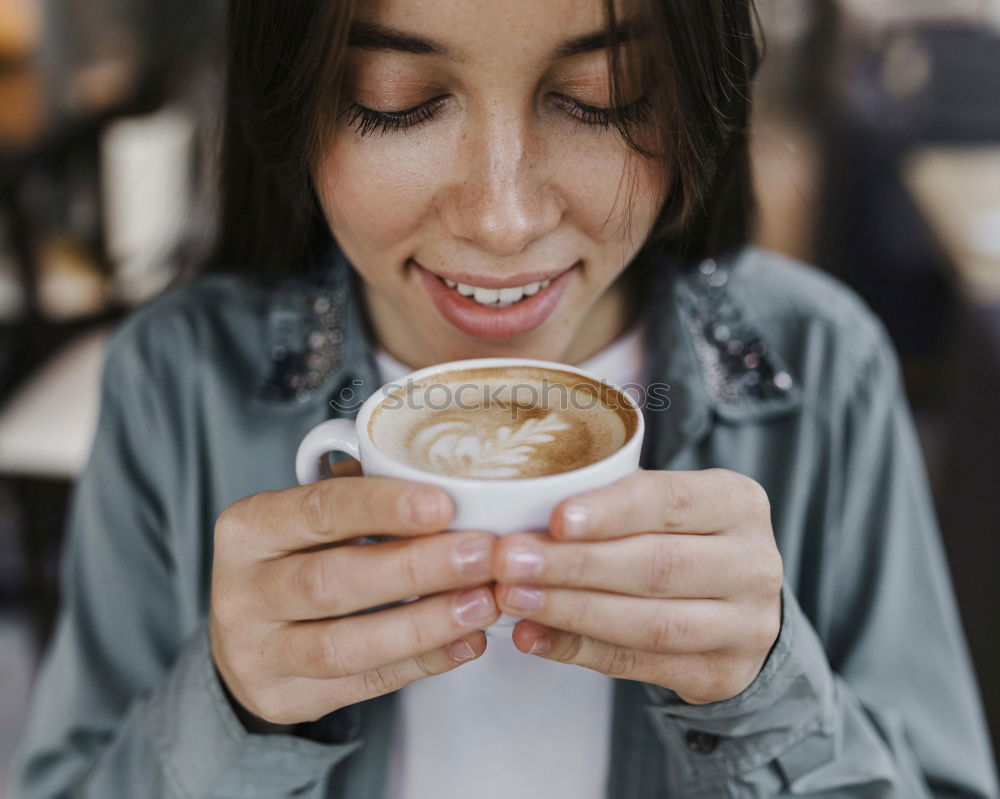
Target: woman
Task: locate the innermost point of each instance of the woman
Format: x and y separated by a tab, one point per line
762	611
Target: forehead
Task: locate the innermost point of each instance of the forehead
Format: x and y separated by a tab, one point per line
464	31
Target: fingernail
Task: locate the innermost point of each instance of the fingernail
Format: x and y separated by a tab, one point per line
522	563
577	520
541	645
460	651
427	506
474	607
472	557
521	597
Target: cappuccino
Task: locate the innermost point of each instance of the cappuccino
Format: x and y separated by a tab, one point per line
502	423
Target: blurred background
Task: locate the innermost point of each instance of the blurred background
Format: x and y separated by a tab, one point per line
877	157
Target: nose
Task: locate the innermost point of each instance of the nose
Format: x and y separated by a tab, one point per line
502	197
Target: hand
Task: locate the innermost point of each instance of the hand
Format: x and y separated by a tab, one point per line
670	578
286	575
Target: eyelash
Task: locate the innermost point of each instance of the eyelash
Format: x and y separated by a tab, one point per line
367	120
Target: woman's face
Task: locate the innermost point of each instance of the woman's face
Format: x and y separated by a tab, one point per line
498	190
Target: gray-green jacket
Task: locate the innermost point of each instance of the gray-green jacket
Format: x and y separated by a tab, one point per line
775	371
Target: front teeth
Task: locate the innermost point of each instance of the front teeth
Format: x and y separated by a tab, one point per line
498	297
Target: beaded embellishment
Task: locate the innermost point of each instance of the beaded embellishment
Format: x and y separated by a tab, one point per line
307	342
735	361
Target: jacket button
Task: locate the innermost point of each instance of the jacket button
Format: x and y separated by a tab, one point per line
701	742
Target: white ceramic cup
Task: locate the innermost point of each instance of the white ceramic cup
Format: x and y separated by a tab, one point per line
497	506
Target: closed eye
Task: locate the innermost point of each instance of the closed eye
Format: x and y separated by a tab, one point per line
367	121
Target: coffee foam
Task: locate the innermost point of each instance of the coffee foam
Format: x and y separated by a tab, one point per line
502	423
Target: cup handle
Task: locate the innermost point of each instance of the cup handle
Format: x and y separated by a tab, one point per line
338	435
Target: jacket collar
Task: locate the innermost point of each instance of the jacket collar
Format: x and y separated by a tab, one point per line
706	345
317	346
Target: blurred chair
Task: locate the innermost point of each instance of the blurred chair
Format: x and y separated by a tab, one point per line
47	426
123	97
46	430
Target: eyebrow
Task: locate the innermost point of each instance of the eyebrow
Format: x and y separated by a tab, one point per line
372	36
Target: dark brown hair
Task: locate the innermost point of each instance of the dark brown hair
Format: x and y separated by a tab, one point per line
694	64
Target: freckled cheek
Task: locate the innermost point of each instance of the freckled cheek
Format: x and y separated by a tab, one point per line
601	205
382	194
590	168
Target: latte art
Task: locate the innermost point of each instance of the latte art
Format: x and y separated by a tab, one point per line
502	424
464	448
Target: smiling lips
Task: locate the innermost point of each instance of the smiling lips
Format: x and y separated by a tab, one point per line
495	311
497	298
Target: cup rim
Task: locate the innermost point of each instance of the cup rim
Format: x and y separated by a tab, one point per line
408	471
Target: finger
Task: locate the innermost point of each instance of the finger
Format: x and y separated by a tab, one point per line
348	467
708	501
665	626
279	522
385	679
694	674
697	679
656	565
346	579
302	699
532	638
356	644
